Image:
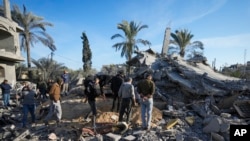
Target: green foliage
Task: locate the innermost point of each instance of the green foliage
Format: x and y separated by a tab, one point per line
34	30
48	68
129	43
182	39
86	53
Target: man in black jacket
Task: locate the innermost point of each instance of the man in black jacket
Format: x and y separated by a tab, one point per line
116	83
91	94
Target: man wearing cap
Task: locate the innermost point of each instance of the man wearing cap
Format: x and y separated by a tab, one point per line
146	89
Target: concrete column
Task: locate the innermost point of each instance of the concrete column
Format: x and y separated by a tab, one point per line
166	41
7	13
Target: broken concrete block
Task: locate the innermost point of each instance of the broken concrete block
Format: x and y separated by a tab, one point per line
213	125
171	123
225	115
217	137
113	137
129	138
22	136
190	120
52	136
224	127
179	137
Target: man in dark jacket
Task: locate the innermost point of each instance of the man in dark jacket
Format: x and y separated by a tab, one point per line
91	93
5	87
116	83
28	96
146	89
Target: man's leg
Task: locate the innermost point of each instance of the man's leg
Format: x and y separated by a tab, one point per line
8	99
129	111
143	114
5	100
32	112
114	101
25	115
149	112
122	110
51	112
58	110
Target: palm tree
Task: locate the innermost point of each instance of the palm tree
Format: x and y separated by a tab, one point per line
129	43
182	40
48	67
34	30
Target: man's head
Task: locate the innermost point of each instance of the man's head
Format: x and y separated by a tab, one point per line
148	76
96	80
128	79
121	72
5	81
59	81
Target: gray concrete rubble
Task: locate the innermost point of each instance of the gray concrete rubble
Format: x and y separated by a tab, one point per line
194	104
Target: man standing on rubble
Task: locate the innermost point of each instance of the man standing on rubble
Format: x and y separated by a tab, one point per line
127	95
116	83
65	86
55	102
5	87
146	89
91	94
28	95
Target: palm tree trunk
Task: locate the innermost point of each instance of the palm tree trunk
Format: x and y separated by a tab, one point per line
28	58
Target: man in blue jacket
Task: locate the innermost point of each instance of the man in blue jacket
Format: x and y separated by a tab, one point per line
66	79
6	92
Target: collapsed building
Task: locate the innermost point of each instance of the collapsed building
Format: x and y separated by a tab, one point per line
192	103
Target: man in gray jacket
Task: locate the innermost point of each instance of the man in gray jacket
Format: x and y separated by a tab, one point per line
127	95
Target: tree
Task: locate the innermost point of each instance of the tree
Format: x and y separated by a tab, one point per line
86	53
182	40
34	30
48	67
129	43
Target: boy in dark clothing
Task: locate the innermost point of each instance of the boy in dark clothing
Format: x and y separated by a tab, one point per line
91	94
116	83
42	87
103	80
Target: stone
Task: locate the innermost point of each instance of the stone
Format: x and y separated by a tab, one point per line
217	137
213	125
113	137
129	138
52	136
224	127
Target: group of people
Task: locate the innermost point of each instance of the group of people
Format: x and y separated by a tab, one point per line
28	96
125	95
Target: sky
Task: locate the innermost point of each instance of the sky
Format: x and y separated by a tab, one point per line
223	26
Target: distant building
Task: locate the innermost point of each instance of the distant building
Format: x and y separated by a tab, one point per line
10	52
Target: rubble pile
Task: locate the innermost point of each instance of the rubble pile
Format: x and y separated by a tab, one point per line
191	103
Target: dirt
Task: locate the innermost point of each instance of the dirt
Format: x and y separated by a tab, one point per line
74	110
